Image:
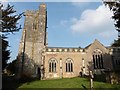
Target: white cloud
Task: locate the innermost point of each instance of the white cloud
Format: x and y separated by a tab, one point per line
95	22
74	20
85	0
4	2
80	3
63	22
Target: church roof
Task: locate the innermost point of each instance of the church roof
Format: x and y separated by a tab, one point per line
88	46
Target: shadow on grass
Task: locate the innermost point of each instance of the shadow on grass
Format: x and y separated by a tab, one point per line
85	88
11	83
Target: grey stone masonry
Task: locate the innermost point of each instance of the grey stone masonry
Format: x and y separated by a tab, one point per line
33	42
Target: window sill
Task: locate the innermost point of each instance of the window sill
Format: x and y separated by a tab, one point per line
52	72
69	72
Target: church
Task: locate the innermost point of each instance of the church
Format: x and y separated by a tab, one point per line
36	58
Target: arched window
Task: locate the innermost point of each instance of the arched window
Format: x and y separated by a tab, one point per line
52	65
69	65
98	59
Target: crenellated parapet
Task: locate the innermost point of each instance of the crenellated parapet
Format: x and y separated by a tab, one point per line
30	12
64	49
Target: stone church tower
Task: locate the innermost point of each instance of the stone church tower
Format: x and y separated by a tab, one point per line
33	42
36	59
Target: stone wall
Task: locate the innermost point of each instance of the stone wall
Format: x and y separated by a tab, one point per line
33	41
61	56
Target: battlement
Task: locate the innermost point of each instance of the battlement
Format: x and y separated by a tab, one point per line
42	10
64	49
43	5
30	12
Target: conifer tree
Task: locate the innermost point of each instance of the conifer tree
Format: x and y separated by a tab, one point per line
9	24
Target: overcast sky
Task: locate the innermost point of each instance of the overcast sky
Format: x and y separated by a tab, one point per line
70	24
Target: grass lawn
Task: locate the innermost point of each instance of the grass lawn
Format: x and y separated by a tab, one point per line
76	82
